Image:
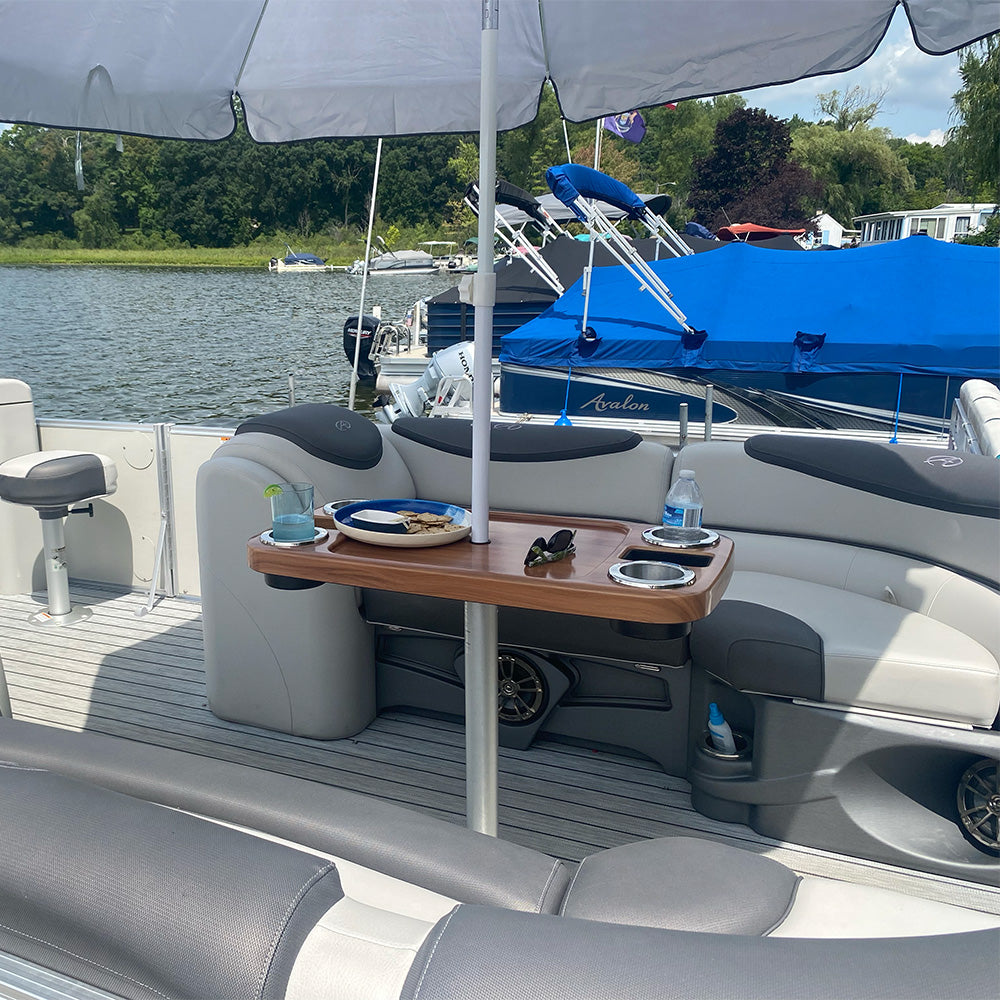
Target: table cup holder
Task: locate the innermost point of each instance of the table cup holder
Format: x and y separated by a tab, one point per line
650	574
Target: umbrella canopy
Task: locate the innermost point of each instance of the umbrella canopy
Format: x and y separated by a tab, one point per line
305	70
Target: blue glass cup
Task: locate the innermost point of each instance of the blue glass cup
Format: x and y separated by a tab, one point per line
292	513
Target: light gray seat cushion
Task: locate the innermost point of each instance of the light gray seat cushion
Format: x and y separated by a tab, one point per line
881	656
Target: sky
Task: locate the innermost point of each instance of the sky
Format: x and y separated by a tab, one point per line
918	101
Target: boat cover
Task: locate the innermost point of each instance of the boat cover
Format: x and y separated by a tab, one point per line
509	194
303	258
916	305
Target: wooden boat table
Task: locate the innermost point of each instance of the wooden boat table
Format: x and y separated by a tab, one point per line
493	574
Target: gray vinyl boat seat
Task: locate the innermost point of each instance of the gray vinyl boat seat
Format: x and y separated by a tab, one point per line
223	881
866	576
858	642
52	482
302	662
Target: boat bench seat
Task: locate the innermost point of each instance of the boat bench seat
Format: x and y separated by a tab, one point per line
845	649
302	661
864	576
266	915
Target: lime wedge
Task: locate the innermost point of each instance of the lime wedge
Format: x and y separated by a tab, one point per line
274	490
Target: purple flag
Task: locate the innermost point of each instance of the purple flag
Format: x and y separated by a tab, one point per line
628	125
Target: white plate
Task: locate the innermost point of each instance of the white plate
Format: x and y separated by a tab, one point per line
459	515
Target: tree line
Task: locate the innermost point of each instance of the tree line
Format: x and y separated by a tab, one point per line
718	159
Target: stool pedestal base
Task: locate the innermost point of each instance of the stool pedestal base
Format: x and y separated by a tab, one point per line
71	617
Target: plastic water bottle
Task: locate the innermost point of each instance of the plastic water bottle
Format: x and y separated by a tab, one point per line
683	505
718	728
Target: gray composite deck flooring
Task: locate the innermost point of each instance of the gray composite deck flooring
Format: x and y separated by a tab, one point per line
142	677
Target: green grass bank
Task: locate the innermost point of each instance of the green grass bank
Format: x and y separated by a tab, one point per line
172	257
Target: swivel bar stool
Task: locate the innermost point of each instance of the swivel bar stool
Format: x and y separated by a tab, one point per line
50	481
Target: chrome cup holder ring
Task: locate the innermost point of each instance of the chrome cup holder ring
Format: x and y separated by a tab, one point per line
743	743
650	574
680	538
319	535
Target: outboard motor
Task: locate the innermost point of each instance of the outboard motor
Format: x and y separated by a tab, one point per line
414	398
369	324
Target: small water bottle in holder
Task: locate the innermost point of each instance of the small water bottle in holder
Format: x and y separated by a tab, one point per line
683	505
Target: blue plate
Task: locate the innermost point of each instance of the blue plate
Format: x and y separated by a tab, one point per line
459	516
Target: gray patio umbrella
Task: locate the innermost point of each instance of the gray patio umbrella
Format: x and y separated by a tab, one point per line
305	69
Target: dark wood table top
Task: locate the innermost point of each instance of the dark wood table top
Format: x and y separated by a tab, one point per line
494	573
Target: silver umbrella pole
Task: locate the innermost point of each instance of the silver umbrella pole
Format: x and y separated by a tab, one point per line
481	757
364	280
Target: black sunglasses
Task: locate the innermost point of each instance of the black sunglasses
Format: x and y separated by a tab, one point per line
557	547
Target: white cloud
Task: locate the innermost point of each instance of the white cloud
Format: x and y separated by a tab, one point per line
935	138
919	87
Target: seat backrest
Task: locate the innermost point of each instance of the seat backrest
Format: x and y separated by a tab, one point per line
340	452
580	471
937	507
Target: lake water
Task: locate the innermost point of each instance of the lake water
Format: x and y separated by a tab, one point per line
194	346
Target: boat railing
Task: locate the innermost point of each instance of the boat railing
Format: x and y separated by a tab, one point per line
975	419
390	338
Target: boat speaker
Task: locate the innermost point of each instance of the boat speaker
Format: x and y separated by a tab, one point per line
521	689
979	804
529	687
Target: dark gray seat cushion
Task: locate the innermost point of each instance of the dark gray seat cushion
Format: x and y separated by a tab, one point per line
478	953
518	442
429	852
681	883
757	648
145	901
965	484
331	433
51	479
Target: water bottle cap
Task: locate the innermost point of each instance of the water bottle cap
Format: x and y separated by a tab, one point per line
686	474
714	715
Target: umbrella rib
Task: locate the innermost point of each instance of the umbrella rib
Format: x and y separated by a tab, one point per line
253	38
545	45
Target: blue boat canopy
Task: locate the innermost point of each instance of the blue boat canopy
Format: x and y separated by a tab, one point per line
571	180
303	258
916	305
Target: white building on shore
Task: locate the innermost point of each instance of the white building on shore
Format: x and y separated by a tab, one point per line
831	232
944	222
